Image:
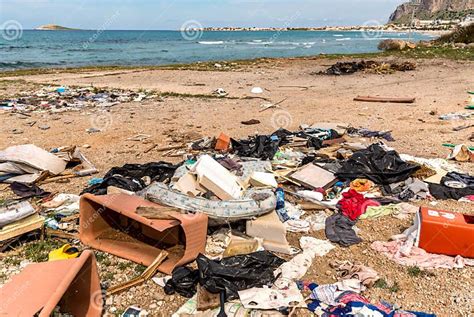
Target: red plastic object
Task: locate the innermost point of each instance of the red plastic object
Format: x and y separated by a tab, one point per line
109	223
223	142
73	285
446	232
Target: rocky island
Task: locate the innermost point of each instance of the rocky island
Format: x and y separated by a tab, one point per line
53	27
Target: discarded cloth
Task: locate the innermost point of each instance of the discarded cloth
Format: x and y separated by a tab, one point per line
268	298
62	204
237	272
410	255
28	191
293	270
378	165
400	211
339	230
348	270
353	204
329	293
350	303
409	189
361	185
131	177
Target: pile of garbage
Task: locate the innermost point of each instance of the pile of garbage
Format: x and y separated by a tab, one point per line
62	99
228	207
347	68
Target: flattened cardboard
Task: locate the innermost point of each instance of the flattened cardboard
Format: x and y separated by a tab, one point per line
110	223
313	176
73	285
271	230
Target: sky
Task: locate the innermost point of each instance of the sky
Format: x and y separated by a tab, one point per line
174	14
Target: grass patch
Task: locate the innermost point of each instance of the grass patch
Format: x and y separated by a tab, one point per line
394	288
38	251
124	265
383	284
12	261
139	269
415	271
102	258
109	276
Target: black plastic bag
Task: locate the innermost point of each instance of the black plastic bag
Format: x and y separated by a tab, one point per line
130	176
183	282
444	192
380	166
260	146
237	272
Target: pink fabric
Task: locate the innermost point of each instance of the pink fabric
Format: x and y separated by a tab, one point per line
419	257
354	204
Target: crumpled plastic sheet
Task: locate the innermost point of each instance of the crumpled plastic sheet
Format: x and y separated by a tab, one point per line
130	177
378	165
183	281
237	272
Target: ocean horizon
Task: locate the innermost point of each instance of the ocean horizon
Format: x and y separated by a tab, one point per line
79	48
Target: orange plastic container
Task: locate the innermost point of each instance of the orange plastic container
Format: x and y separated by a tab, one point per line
445	232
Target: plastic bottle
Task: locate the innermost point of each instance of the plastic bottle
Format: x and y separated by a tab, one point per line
280	204
280	197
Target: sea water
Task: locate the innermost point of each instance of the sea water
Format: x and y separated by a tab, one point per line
92	48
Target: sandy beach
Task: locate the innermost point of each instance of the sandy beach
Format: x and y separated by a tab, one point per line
188	111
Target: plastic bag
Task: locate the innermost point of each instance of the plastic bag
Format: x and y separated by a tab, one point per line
238	272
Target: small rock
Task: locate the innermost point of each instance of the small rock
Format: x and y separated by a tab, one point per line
92	130
460	45
153	306
86	146
44	127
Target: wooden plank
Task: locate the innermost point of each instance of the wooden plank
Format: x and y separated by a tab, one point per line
384	99
22	226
